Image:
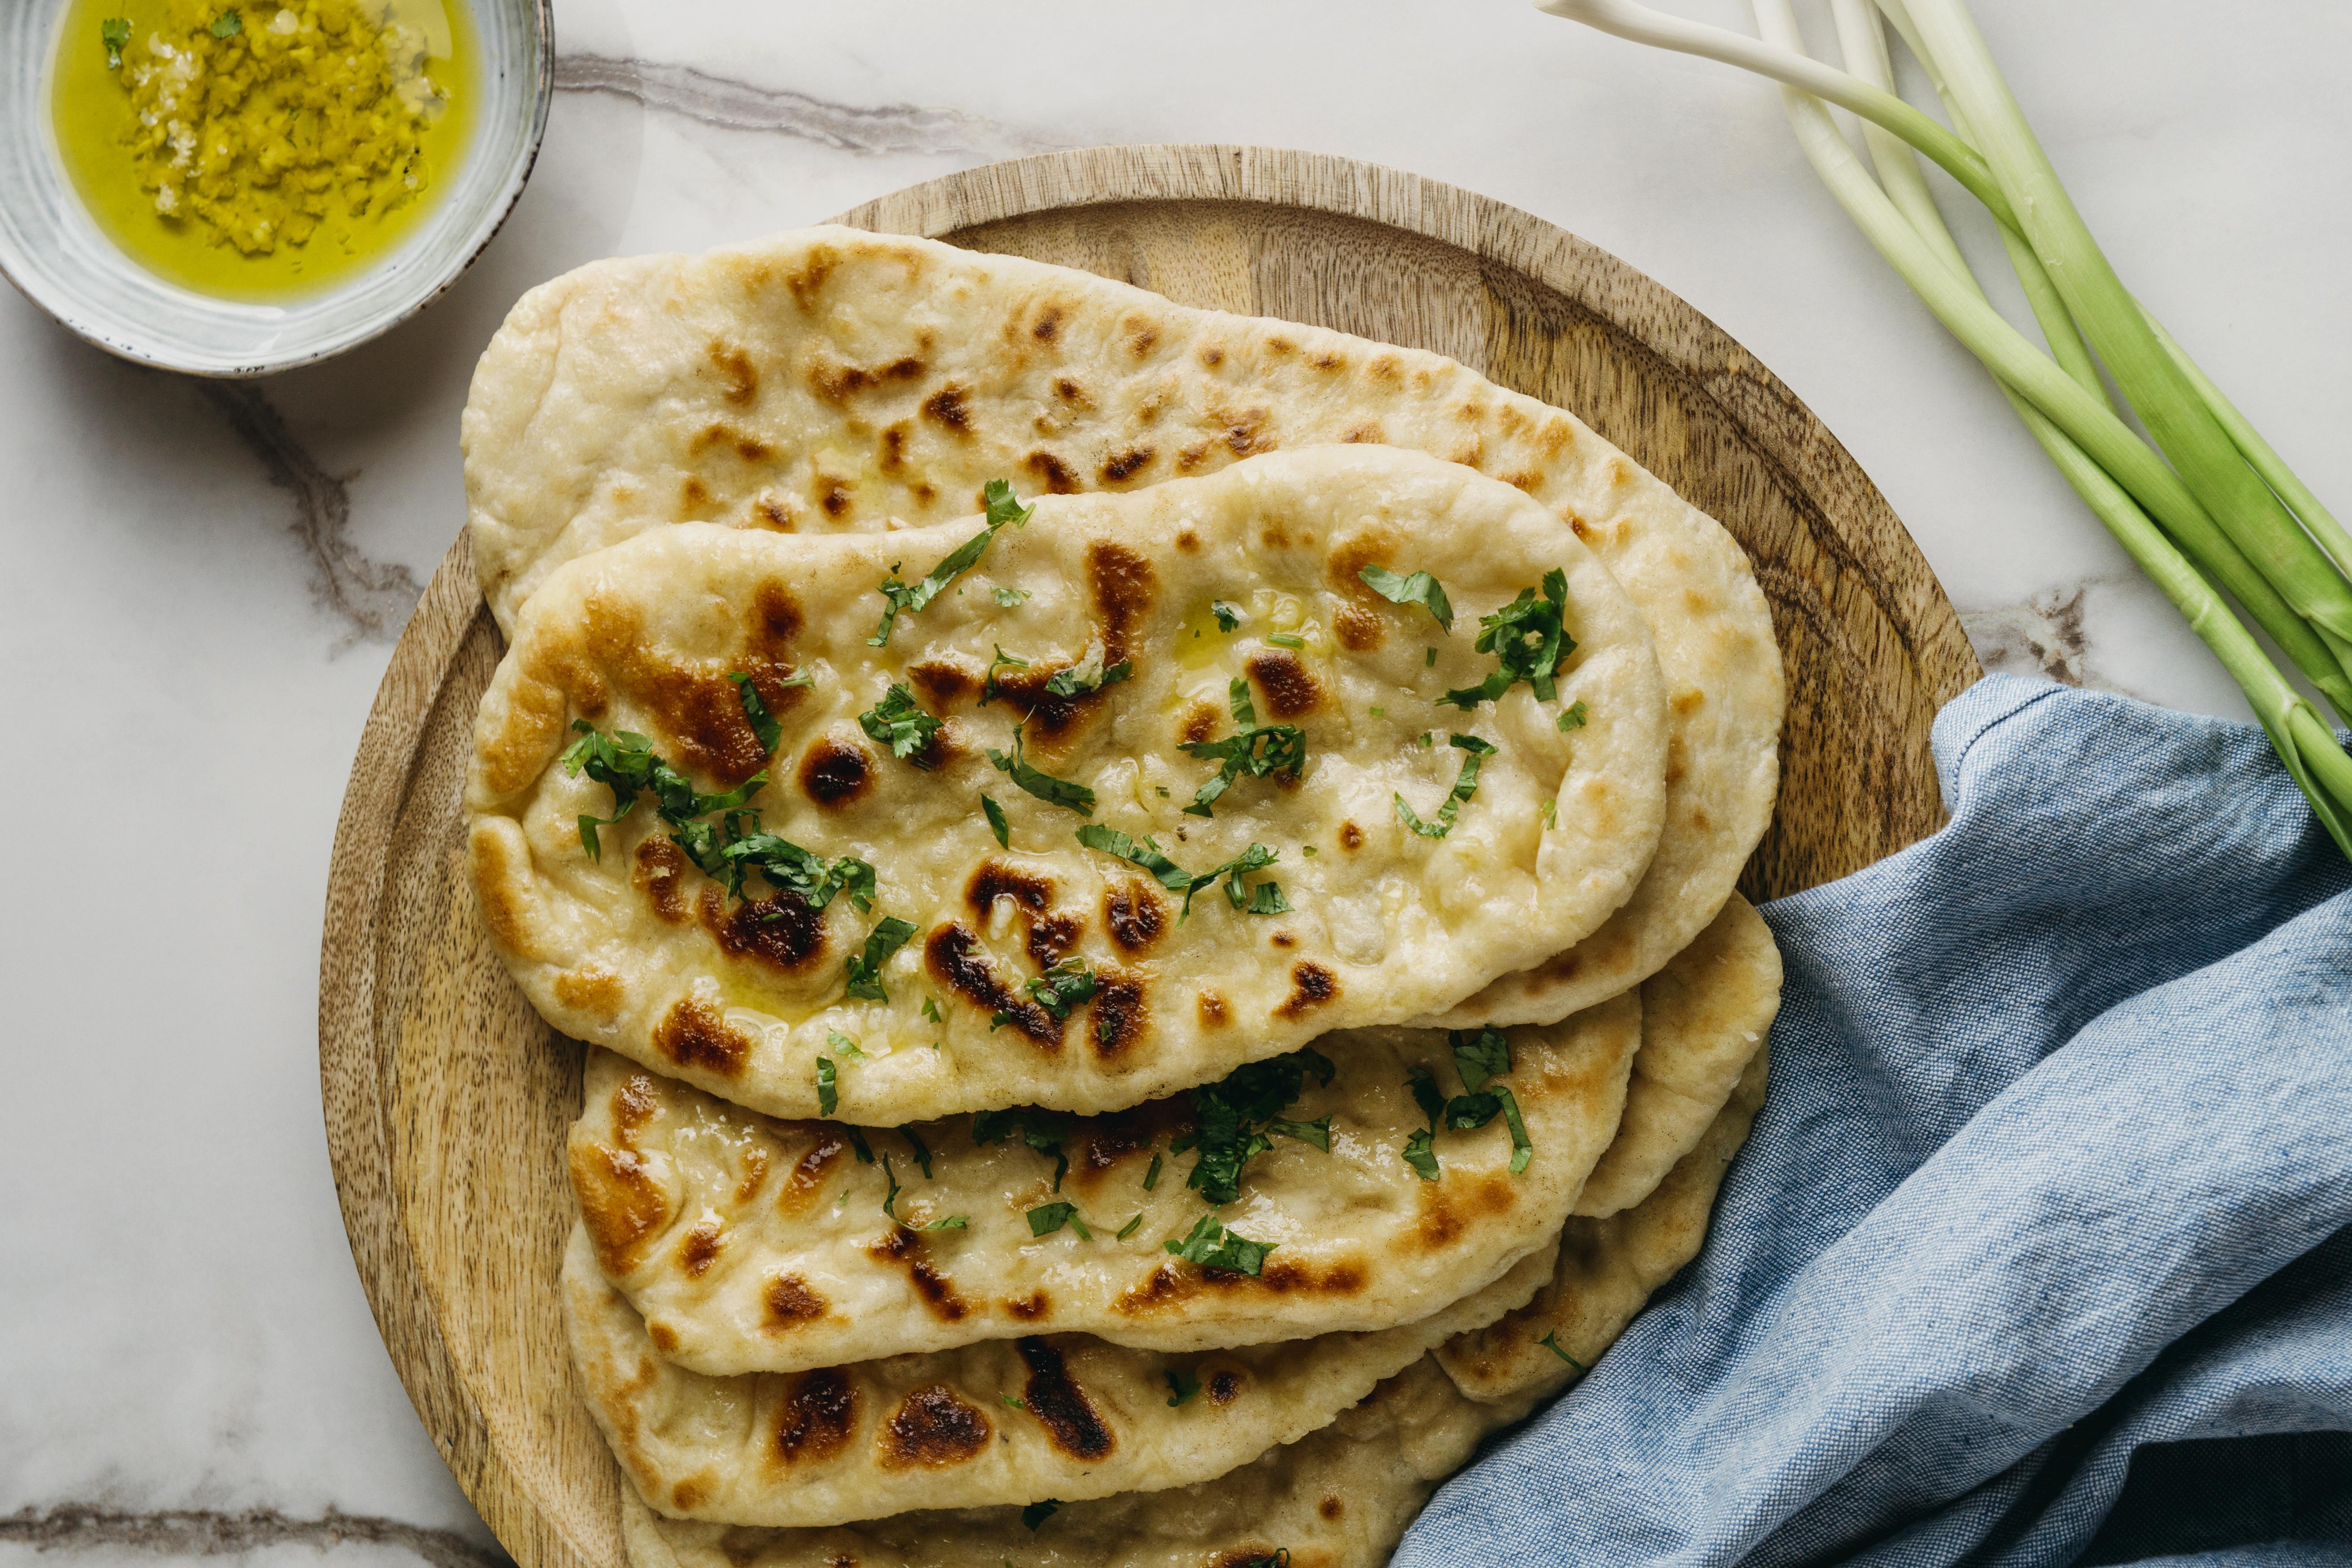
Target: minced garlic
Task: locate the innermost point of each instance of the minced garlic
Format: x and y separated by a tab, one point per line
256	125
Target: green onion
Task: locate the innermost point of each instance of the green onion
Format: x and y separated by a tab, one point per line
2209	507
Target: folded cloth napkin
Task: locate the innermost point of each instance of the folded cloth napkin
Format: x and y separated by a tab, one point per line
2041	1249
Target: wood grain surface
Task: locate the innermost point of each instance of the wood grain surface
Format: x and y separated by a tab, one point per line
446	1099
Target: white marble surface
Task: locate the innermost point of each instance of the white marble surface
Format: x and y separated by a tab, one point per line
201	582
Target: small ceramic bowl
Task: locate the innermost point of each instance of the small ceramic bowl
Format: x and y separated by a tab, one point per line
53	250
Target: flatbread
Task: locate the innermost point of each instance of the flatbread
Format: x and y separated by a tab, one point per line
831	380
1704	1017
1608	1268
1004	1421
751	1243
1338	1497
636	950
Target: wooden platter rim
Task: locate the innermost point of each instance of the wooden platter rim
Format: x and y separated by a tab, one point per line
354	1087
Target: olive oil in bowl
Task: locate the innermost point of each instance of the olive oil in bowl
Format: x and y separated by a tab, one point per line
254	151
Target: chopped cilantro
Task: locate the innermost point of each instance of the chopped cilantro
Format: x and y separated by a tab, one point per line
1420	1156
1477	1057
1286	639
1087	675
1426	741
763	723
1529	638
1429	658
1009	597
891	1198
227	25
828	1095
1419	588
114	32
791	868
1129	1227
845	1044
1160	790
1152	1174
1465	784
1308	850
1255	751
1182	1384
1062	987
1037	1513
1549	812
1043	1130
953	1222
1228	615
803	678
1574	717
898	722
888	936
1550	1341
1047	1219
1212	1245
1380	712
625	764
1002	509
1014	1400
1138	852
996	823
1076	797
858	1146
922	1150
932	1009
1265	899
988	681
1233	1117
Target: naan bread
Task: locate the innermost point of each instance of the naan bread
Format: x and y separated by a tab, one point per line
756	1245
1704	1017
1338	1497
639	952
1607	1269
833	380
942	1430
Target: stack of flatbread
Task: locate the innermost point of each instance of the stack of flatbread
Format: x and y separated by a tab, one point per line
1150	894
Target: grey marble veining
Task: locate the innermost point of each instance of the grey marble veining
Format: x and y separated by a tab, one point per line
201	584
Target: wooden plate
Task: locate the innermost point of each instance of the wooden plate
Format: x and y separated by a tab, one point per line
446	1099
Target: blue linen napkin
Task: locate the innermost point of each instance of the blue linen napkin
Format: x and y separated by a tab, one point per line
2042	1248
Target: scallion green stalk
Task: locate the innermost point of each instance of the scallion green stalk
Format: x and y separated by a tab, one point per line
2225	510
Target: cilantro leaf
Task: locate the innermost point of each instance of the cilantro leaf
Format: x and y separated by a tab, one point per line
1233	1117
1143	852
1465	784
763	723
828	1095
845	1044
1129	1227
1419	588
1256	753
1265	899
996	823
952	1222
1574	717
1228	615
1425	1092
891	1198
1009	597
1037	1513
1522	1148
1062	987
1182	1384
932	1009
1047	1219
1151	1175
114	33
922	1150
898	722
1212	1245
1419	1154
1075	797
1286	639
858	1146
1043	1130
1486	1054
1003	659
791	868
1237	693
1549	812
888	936
1550	1341
1088	675
898	595
227	25
1528	638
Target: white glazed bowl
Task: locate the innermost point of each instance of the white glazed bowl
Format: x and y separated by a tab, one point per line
52	250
